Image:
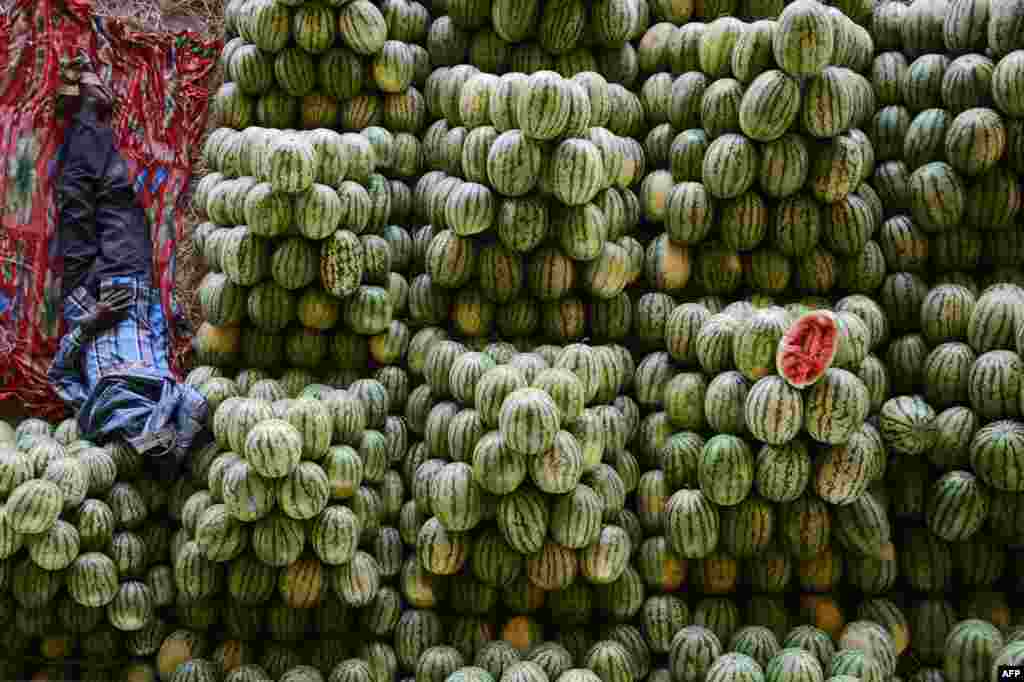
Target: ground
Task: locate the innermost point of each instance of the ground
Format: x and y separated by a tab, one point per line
202	16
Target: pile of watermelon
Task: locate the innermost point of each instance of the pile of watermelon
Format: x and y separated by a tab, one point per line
84	548
571	341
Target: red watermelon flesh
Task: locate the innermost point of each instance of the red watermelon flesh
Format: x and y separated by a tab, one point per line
807	348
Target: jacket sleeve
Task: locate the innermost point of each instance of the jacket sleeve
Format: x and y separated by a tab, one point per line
76	198
65	373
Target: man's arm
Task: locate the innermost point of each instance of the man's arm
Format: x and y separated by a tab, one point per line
65	373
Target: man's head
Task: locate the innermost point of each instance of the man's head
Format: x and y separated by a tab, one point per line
80	79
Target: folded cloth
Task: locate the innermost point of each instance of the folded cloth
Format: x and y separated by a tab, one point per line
153	414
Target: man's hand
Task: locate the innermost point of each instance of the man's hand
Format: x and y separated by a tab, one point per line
111	309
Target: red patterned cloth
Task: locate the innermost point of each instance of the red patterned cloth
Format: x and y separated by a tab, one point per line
160	84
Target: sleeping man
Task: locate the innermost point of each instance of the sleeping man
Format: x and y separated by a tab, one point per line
113	364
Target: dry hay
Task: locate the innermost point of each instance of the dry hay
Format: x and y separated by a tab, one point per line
205	17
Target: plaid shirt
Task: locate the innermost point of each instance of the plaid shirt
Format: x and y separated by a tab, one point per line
120	381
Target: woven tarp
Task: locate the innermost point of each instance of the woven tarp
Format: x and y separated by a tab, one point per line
160	82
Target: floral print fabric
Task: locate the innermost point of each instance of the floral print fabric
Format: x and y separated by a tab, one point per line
160	84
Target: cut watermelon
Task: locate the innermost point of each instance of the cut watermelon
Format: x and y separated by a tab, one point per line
807	348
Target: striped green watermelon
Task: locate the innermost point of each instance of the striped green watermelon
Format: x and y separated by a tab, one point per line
957	506
34	506
290	164
528	420
273	447
804	40
970	649
362	27
774	411
725	470
757	341
993	455
769	107
692	524
828	426
730	166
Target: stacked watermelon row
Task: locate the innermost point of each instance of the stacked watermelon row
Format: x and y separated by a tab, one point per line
864	650
803	219
349	66
760	164
527	202
285	244
84	546
288	472
309	178
800	548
